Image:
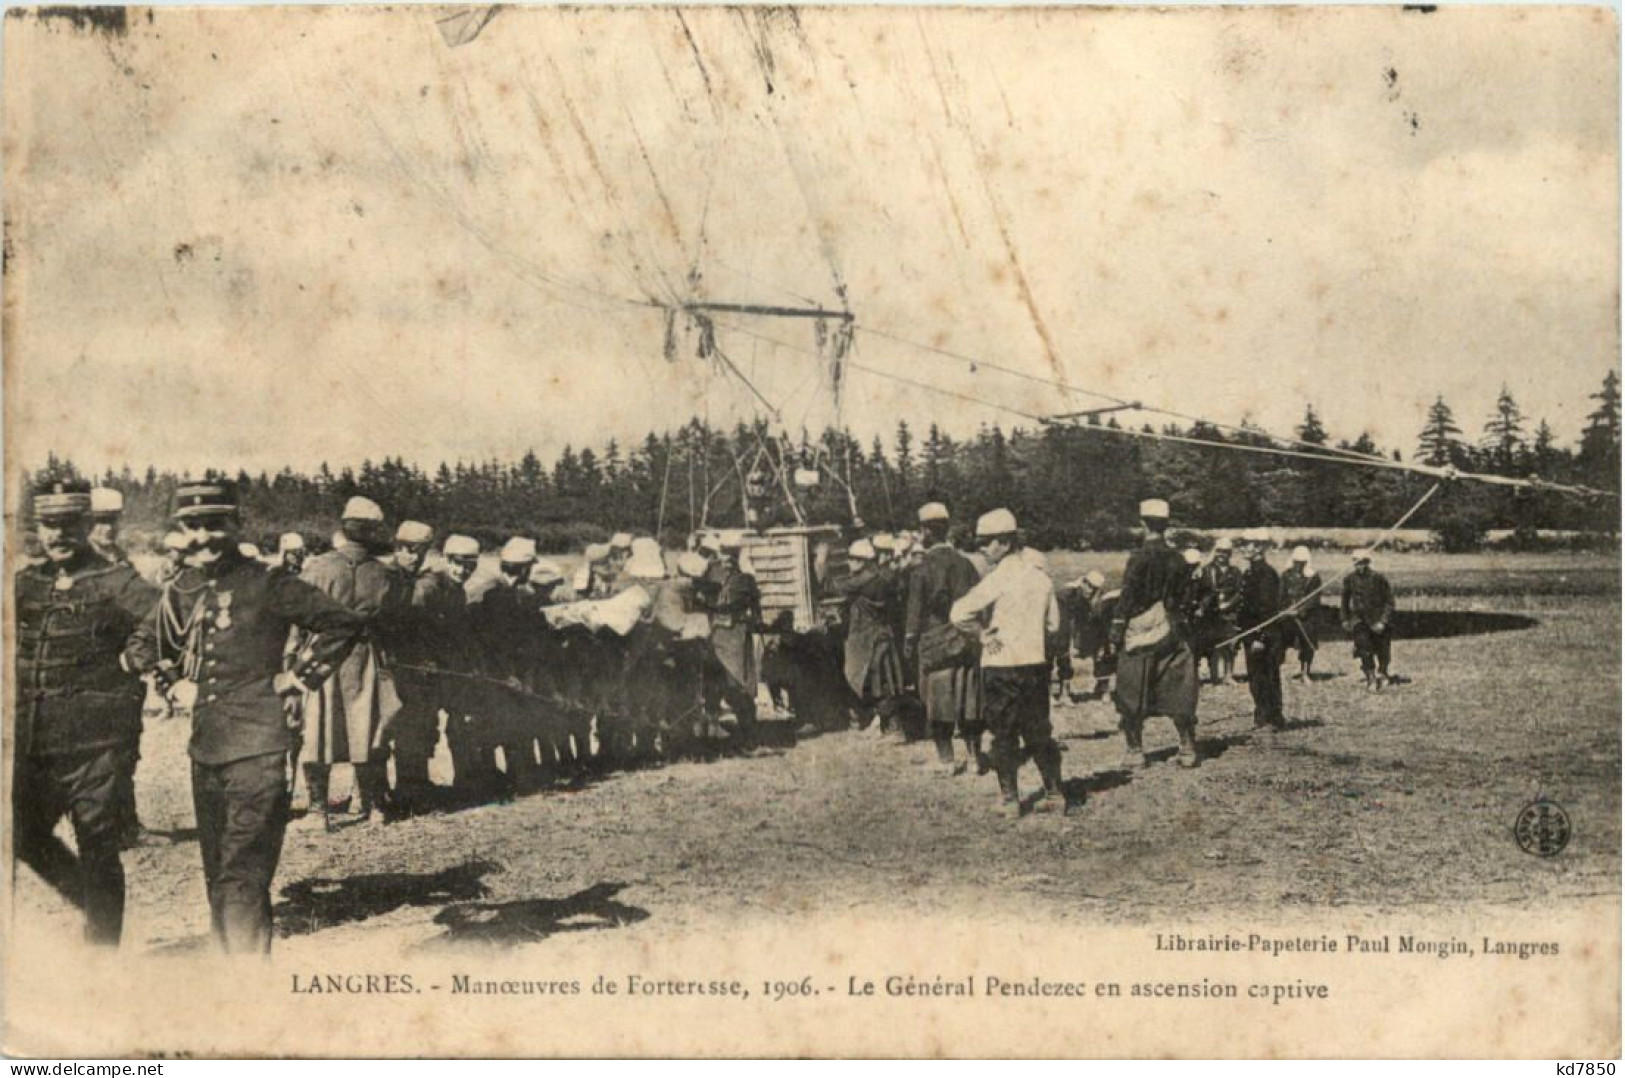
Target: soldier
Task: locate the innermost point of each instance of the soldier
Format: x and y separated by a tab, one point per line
620	552
1089	609
460	697
1015	611
592	580
1221	589
1368	616
1300	593
106	512
290	548
510	629
217	633
949	674
873	669
1256	609
347	719
1156	670
78	708
428	639
735	606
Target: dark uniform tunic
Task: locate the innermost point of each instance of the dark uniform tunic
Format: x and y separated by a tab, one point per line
429	637
1368	615
226	627
1258	601
873	668
1220	590
78	720
512	632
1159	679
735	606
952	696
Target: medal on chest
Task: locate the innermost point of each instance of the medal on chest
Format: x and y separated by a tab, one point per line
222	618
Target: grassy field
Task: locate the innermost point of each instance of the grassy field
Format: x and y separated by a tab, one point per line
1403	799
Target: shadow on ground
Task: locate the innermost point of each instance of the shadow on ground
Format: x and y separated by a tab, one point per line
1430	624
313	904
531	920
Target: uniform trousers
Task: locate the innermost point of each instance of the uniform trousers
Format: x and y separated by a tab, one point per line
1015	705
242	814
86	787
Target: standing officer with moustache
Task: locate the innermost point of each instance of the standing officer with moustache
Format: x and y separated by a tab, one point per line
217	634
1156	670
78	716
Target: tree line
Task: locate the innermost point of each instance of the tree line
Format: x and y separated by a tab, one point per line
1070	485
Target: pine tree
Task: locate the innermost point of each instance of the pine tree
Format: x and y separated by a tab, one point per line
1503	434
1440	442
1599	442
1310	430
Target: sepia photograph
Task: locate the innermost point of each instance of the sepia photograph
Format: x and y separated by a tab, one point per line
772	531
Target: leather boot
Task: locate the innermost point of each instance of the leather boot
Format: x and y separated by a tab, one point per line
1133	750
1009	791
372	789
1188	755
1049	769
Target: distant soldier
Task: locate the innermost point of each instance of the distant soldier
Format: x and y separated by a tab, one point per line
873	667
1088	608
459	694
734	603
106	514
347	719
218	631
428	637
1300	593
290	550
78	717
949	673
1156	671
1256	611
509	627
592	580
1221	590
1015	610
1368	616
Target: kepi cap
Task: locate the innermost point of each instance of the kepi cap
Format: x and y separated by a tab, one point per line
413	531
359	508
862	550
206	498
59	499
105	501
998	522
462	546
1154	509
519	551
290	541
933	511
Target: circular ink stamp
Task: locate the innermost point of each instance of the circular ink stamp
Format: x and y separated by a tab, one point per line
1542	828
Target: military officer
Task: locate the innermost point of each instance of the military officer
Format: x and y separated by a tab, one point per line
510	628
873	668
218	631
462	697
735	606
1156	670
1015	610
1300	593
1368	616
1256	609
1221	589
347	719
78	708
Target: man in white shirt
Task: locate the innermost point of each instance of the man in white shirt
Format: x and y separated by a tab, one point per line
1015	610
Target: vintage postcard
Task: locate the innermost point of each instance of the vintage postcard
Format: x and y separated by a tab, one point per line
829	531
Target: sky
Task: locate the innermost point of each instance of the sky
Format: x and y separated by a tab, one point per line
257	237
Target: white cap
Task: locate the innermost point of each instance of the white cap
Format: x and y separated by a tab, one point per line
462	546
861	550
904	544
933	511
596	552
1361	555
1300	553
998	522
1193	556
413	531
174	541
248	550
519	550
545	572
359	508
711	541
1154	509
885	541
1096	578
1257	535
290	541
1224	544
646	563
106	500
733	539
691	564
621	541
